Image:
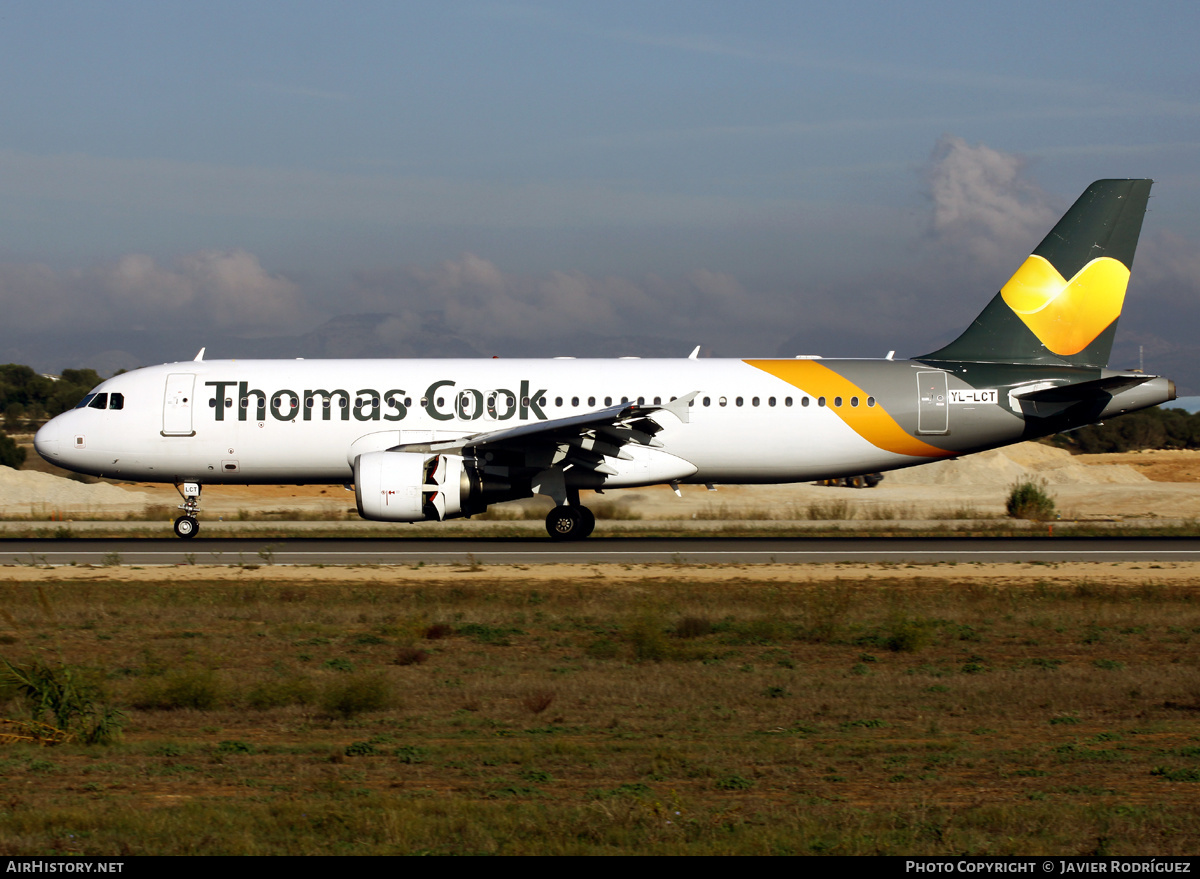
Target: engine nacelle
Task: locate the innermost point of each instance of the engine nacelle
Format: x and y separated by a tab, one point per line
412	486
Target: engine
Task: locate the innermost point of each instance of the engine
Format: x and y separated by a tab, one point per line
416	486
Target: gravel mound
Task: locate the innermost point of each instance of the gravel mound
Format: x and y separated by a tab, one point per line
24	492
1017	463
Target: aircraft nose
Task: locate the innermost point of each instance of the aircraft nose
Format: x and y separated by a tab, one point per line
48	440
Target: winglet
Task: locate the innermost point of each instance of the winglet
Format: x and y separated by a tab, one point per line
695	353
199	357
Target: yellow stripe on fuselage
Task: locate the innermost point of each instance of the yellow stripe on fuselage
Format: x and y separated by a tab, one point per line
1067	316
872	423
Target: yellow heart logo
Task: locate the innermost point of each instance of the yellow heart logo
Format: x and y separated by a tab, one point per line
1067	316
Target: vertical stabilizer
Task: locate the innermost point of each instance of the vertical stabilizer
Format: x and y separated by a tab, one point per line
1063	303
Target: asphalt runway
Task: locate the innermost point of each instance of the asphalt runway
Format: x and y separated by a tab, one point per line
687	550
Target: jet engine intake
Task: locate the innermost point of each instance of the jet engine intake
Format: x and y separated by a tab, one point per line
419	486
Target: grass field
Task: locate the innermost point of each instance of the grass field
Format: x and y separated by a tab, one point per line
606	710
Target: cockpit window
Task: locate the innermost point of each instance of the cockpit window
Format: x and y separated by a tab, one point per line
102	401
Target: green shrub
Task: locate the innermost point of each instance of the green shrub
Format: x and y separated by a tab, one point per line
693	627
235	747
61	695
353	694
734	782
908	635
1028	500
410	656
603	649
11	455
649	639
281	692
190	688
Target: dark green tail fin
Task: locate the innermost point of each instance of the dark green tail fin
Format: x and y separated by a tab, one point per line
1063	303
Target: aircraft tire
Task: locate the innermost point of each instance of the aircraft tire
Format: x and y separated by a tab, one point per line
588	525
856	482
186	526
565	523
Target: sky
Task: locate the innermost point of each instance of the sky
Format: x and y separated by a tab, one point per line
536	178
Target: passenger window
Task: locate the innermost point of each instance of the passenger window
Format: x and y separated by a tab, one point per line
116	401
100	401
738	401
820	401
591	401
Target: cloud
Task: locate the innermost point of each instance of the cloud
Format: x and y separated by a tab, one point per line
228	291
984	214
479	302
984	211
1169	267
983	202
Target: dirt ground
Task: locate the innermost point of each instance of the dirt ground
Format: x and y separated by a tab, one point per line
1067	573
1172	491
1150	485
1158	465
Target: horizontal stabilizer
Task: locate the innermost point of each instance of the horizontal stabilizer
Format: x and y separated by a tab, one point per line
1110	385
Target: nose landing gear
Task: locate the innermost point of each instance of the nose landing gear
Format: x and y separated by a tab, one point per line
187	525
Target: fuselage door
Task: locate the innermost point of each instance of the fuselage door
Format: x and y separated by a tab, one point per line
178	403
933	404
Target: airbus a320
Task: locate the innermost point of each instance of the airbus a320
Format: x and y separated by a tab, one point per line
424	440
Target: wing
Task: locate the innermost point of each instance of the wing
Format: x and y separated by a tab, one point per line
578	441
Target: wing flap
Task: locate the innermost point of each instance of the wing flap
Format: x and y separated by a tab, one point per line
610	428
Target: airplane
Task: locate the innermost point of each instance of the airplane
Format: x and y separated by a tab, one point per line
429	440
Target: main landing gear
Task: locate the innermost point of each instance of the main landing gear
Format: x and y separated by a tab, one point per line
570	522
187	525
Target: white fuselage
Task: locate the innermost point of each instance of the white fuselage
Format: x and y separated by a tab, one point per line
302	421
